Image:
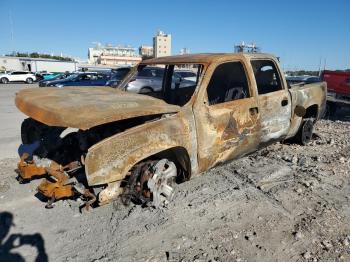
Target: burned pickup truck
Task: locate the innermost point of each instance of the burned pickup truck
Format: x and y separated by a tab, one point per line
106	143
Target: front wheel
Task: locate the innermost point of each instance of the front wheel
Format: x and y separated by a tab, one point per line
151	183
29	80
4	80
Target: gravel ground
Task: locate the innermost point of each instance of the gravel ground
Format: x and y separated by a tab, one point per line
283	203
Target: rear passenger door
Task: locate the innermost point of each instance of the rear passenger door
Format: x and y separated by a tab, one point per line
227	121
274	101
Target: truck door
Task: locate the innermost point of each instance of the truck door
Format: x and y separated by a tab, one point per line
274	101
226	114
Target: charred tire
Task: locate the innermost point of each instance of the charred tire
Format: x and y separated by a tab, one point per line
4	80
304	134
146	90
29	80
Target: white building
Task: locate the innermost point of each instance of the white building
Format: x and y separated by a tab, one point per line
146	51
162	44
113	55
11	63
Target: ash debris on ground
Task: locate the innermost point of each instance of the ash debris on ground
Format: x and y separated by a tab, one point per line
283	203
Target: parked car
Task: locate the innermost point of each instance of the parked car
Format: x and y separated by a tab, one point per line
136	146
17	76
38	76
302	79
117	75
43	82
48	76
187	74
150	79
82	79
338	94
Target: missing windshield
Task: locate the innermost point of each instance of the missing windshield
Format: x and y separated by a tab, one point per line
175	84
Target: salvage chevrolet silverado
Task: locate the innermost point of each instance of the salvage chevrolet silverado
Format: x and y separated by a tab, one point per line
106	143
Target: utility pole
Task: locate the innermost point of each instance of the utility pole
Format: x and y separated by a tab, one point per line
11	27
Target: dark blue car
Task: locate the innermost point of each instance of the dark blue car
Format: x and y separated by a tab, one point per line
83	79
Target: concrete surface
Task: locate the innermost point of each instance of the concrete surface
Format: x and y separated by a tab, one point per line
10	120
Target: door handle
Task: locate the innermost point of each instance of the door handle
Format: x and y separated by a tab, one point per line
284	102
254	110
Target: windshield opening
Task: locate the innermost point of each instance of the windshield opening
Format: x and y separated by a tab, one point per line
165	82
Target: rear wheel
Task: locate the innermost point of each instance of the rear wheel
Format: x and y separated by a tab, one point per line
304	134
4	80
146	90
29	80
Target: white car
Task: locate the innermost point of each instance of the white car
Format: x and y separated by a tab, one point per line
15	76
187	75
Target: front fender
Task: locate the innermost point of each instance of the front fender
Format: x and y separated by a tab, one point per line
112	158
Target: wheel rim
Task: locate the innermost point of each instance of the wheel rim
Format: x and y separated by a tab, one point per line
145	91
161	182
307	132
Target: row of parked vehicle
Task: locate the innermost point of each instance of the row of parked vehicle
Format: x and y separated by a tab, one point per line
29	77
148	80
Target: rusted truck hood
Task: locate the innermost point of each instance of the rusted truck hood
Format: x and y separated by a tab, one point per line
86	107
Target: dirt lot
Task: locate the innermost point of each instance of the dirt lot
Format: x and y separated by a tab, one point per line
283	203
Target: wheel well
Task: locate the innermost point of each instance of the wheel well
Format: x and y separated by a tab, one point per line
311	112
147	87
180	157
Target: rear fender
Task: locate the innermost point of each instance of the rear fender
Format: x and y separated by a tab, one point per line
304	100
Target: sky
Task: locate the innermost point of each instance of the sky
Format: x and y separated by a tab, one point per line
304	34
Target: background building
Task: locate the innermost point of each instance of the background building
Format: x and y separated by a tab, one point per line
185	51
162	44
10	63
113	55
146	51
248	48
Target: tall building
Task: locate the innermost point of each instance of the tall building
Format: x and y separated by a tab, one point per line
113	55
146	51
162	44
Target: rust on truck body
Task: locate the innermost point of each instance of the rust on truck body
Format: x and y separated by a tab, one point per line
210	134
78	107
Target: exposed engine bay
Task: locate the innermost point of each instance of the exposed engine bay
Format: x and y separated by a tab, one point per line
58	155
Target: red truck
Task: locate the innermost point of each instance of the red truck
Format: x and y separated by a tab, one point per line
338	86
